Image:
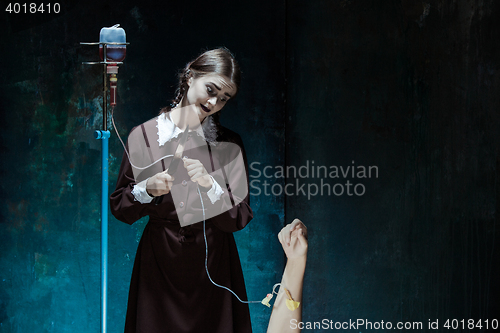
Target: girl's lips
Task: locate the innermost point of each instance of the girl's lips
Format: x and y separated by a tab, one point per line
204	108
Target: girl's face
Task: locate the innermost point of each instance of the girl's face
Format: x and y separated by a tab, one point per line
209	94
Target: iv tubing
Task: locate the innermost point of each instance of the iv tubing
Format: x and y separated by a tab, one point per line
206	256
125	148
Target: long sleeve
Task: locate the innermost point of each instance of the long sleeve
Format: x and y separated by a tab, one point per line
233	177
124	206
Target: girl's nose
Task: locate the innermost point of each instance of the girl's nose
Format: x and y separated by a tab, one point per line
213	100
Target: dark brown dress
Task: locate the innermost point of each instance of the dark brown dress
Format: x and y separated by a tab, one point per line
170	290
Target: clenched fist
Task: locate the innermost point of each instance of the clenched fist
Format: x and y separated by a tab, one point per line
293	239
159	184
197	172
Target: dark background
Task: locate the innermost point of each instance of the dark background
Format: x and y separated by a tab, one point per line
408	86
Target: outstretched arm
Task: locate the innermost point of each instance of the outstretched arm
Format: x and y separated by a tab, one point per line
293	239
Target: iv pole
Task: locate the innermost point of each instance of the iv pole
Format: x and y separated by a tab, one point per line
104	135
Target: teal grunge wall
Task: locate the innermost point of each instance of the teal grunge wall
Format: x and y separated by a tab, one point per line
410	87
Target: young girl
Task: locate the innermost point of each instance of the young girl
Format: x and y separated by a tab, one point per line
170	290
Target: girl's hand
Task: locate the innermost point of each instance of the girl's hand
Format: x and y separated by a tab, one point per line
198	173
293	238
159	184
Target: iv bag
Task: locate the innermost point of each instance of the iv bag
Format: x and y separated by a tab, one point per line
113	34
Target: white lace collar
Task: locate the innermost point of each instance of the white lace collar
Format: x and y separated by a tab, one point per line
167	130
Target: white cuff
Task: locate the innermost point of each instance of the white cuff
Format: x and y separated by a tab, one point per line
140	193
215	192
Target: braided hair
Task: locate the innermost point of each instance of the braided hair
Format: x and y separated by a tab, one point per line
219	61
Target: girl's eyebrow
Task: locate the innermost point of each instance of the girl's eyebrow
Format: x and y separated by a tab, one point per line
218	88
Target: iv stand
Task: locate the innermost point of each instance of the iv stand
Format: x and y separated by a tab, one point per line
104	135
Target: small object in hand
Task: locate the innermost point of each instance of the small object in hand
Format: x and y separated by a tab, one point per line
290	303
266	300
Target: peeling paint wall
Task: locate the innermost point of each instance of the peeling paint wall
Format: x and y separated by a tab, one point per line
410	87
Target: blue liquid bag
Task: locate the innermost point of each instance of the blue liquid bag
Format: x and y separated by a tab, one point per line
114	34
